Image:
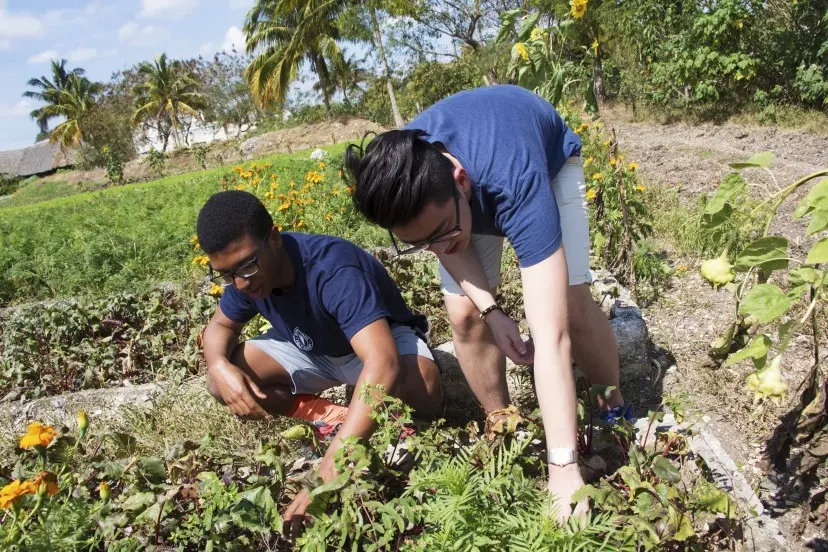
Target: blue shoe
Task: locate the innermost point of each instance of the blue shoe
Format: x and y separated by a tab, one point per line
614	415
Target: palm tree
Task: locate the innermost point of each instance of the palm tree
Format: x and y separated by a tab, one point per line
285	33
289	31
48	90
346	76
168	92
73	102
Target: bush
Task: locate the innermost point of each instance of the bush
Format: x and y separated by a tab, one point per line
8	184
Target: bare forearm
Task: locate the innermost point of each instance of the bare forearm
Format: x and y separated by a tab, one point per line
555	387
467	271
219	343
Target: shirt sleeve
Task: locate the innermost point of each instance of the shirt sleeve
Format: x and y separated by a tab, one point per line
530	220
237	306
354	299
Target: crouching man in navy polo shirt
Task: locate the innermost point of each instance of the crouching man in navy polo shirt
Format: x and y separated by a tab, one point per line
336	316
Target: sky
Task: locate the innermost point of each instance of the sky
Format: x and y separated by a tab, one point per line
102	36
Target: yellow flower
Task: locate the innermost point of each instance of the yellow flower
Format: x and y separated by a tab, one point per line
595	45
103	488
279	227
606	143
340	173
196	244
46	483
216	290
83	423
300	224
578	8
349	189
632	166
15	490
520	48
682	268
596	176
536	34
640	188
329	217
322	164
284	206
613	161
37	435
342	210
591	194
201	260
335	191
589	160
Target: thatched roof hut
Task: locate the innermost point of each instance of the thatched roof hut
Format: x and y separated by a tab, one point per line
41	158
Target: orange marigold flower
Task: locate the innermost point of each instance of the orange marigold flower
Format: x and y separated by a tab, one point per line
14	491
49	480
37	435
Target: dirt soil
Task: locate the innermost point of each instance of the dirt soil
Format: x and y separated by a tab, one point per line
232	151
693	159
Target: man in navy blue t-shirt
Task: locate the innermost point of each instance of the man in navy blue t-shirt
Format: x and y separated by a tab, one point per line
336	317
477	167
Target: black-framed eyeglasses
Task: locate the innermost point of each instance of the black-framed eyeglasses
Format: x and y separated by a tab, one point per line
436	239
246	270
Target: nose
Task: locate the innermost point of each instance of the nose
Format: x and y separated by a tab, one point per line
242	284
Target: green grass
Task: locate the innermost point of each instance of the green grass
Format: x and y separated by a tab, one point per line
133	237
39	190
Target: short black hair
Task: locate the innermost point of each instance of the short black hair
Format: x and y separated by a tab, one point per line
396	175
227	216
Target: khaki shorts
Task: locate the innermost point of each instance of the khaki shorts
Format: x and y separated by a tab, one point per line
569	187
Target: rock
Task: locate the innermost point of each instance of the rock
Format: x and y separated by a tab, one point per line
630	333
318	154
608	292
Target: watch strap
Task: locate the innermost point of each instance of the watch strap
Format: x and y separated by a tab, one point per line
561	456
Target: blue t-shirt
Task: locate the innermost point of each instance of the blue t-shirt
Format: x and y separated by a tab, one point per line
338	290
512	143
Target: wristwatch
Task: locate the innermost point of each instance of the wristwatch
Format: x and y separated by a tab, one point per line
561	456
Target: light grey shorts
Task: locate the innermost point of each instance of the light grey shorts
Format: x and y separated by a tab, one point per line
313	374
569	187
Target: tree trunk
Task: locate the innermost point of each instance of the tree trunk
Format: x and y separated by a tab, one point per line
324	79
598	75
398	120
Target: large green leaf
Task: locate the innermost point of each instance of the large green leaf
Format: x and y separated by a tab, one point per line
816	200
508	18
818	253
819	222
760	160
716	501
770	253
757	348
666	470
153	469
526	25
766	302
718	207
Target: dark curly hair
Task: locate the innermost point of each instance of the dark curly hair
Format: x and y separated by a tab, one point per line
227	216
396	175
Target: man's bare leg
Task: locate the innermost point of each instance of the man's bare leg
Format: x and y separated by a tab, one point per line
481	361
593	344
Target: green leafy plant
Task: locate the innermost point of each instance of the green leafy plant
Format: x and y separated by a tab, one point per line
200	153
156	160
114	166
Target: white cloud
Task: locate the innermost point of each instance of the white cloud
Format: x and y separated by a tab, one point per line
142	35
206	49
234	39
167	9
43	57
82	54
21	108
19	25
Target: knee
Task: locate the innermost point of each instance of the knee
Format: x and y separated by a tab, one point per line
465	321
579	305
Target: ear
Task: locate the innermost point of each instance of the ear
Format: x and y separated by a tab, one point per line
462	180
275	237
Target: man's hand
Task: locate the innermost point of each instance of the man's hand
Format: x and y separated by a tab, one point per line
507	336
294	516
563	482
236	390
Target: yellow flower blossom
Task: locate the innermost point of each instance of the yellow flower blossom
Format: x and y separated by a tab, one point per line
590	195
329	217
201	260
640	188
216	290
682	268
520	48
15	490
579	8
279	227
613	161
340	173
589	160
632	166
300	224
195	243
596	176
606	143
536	34
335	192
322	164
103	489
37	435
284	206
